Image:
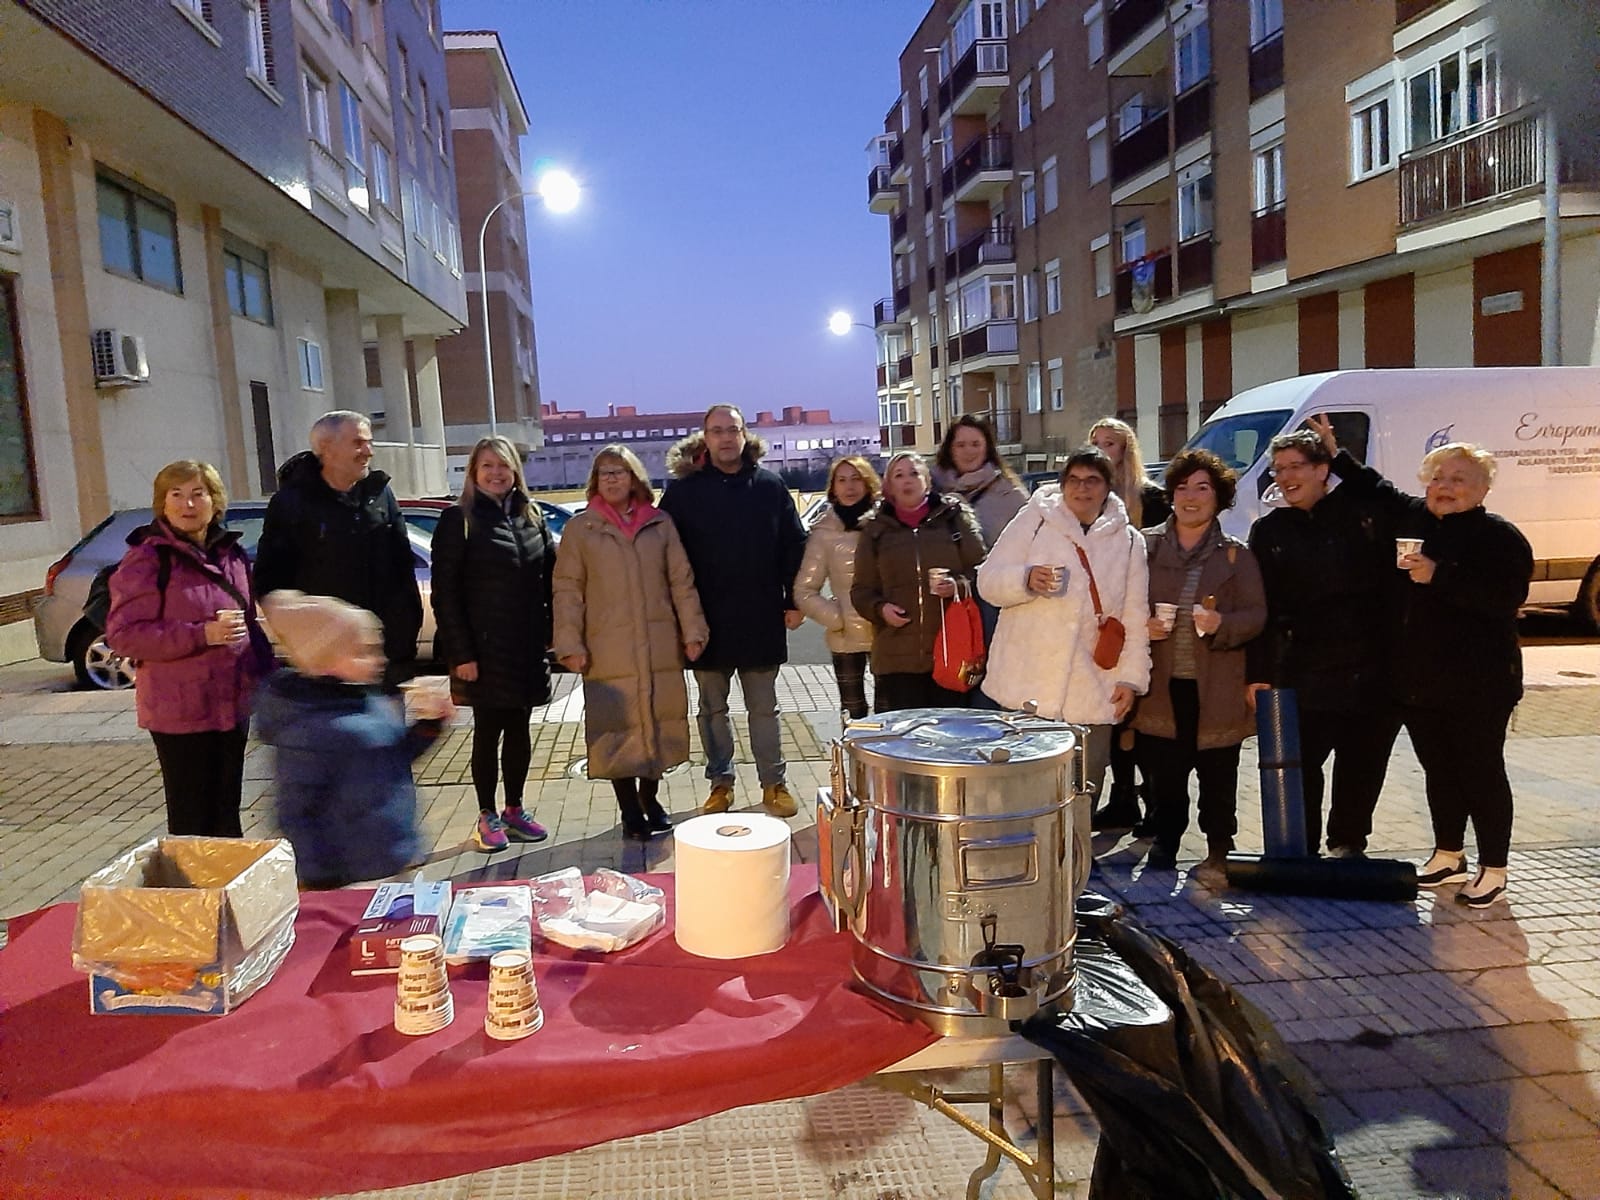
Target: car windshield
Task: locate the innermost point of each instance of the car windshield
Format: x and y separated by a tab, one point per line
1239	441
423	520
555	517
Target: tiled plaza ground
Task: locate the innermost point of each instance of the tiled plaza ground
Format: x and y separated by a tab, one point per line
1457	1053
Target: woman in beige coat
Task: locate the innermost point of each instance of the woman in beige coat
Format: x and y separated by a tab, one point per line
830	559
627	616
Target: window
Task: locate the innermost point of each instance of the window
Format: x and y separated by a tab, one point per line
1030	297
1460	89
922	91
438	232
1047	80
1130	116
1058	390
1035	389
1099	158
1269	177
1025	102
1050	185
355	151
988	299
1052	286
403	59
1266	19
1030	202
382	175
1094	28
19	489
1192	53
244	271
443	128
1194	201
1100	262
1371	147
258	42
893	409
423	105
1024	9
948	222
310	365
947	143
200	10
138	233
339	10
1133	240
316	105
419	212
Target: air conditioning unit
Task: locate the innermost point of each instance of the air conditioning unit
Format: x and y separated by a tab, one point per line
119	359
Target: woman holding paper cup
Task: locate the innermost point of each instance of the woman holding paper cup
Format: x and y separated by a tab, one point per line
492	563
1208	601
183	605
830	559
628	618
915	551
1457	662
1065	573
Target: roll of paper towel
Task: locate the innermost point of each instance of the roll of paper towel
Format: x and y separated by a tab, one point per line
733	884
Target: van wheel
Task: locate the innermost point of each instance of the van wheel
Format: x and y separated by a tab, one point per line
1587	606
96	665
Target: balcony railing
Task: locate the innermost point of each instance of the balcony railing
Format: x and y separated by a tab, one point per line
897	437
1141	299
889	376
1269	236
984	153
899	225
1005	422
1128	19
995	244
879	187
903	366
983	57
902	298
327	173
1488	161
897	155
992	337
1194	263
1191	113
1266	65
1140	149
883	311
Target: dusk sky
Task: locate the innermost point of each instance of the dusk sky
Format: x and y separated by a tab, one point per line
721	149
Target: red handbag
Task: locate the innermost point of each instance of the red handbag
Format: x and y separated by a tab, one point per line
959	655
1108	645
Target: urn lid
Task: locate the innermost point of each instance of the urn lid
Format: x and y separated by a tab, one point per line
967	737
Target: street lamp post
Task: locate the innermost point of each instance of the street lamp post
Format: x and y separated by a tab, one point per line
559	191
841	323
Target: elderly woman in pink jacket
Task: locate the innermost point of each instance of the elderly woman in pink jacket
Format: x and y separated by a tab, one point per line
183	607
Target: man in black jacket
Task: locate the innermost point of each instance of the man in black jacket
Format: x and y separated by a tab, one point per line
334	529
1327	563
745	541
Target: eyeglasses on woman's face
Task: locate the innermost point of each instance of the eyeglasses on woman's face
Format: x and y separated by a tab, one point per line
614	472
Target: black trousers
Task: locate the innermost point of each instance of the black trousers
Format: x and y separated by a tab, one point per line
911	690
203	775
500	734
1361	742
1124	760
850	671
1167	763
1463	757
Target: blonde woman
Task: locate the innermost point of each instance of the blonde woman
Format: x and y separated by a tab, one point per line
628	618
492	564
830	560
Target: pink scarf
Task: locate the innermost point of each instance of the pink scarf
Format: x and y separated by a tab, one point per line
631	522
912	517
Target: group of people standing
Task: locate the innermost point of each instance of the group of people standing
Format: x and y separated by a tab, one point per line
1107	601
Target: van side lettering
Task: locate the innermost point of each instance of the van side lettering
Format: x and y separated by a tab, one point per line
1528	431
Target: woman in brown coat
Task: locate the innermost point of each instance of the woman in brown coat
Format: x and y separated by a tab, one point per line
627	616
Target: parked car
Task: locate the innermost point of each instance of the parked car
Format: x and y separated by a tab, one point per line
424	514
66	635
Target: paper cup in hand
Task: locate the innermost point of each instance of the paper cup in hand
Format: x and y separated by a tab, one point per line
1167	614
1404	548
1198	609
937	576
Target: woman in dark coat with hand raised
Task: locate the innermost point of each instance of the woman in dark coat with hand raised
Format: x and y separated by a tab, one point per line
493	559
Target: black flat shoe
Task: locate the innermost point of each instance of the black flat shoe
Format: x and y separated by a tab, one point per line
656	820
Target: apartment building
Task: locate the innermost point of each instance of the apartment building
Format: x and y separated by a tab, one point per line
489	121
209	212
798	439
1142	208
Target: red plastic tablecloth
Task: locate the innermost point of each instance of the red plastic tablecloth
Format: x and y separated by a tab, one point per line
307	1089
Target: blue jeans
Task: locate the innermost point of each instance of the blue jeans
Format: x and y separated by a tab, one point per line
760	687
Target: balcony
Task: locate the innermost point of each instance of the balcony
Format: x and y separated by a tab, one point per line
976	83
1408	10
900	230
882	195
971	346
327	173
1194	263
1141	149
1006	423
898	437
995	244
1269	236
886	312
1191	113
377	76
1266	65
890	378
1153	285
902	298
1493	160
1128	20
899	169
903	365
981	170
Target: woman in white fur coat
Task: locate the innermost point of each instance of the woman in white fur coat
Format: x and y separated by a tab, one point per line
1044	646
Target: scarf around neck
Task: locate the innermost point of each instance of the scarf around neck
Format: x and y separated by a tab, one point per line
912	517
630	522
851	514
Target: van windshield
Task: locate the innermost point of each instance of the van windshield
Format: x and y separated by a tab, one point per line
1239	441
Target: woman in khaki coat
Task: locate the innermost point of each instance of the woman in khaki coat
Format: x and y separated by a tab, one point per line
830	560
627	616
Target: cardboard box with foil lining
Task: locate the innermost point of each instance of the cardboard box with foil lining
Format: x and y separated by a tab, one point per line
186	924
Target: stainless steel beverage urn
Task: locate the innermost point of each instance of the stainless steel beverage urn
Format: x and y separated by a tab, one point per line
954	844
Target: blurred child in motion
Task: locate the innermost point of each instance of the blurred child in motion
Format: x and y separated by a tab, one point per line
345	796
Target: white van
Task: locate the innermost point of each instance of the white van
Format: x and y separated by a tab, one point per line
1541	423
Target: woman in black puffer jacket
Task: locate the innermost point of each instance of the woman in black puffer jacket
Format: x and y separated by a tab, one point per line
493	559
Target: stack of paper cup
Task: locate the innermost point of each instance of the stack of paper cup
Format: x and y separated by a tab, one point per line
422	1003
514	1010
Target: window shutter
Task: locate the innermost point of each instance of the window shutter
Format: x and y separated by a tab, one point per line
268	66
